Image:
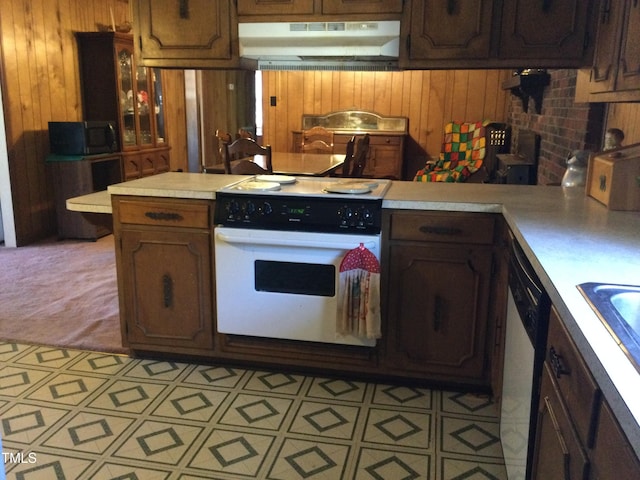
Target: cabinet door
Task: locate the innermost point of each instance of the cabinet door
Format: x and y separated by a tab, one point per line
450	30
558	454
605	57
361	6
437	309
385	159
280	7
187	31
167	303
629	65
131	166
613	456
546	30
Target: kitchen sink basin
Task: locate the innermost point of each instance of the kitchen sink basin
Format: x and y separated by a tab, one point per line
618	307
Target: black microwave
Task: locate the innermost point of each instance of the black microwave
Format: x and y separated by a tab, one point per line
82	138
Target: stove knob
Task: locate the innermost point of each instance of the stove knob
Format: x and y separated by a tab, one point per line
232	208
265	209
345	213
367	216
249	209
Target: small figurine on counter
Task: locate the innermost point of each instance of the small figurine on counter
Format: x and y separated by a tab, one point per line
613	138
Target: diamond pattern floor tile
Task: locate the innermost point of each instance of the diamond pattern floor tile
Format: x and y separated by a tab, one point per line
99	416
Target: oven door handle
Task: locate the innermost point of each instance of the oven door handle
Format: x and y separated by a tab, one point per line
283	242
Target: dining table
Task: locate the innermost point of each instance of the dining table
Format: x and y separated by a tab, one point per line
292	163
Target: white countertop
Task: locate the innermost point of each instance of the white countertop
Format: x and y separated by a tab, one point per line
569	238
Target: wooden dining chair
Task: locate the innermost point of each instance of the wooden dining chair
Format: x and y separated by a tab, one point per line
348	157
360	157
237	157
317	140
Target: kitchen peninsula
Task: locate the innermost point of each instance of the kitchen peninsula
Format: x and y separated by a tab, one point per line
568	237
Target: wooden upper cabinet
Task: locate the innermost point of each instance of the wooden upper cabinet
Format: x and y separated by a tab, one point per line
496	34
629	65
548	29
185	33
615	74
450	30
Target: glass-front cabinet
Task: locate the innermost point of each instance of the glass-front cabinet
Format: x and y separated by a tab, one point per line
115	88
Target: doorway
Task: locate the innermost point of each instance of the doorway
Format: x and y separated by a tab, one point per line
7	225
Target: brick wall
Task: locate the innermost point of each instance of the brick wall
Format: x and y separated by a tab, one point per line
563	125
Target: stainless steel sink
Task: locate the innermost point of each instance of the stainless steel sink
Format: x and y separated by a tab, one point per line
618	307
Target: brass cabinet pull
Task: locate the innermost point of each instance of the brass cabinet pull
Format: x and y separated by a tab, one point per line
166	216
438	313
167	290
440	230
184	9
557	365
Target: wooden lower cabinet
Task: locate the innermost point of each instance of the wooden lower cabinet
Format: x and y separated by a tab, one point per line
385	156
164	262
439	291
144	163
577	435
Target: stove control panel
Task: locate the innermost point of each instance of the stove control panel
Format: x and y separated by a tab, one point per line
269	212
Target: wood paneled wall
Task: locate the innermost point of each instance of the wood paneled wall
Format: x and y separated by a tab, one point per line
41	83
428	98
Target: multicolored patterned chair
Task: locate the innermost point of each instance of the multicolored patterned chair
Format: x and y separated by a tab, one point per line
464	148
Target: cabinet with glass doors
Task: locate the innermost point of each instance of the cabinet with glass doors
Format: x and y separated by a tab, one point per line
115	88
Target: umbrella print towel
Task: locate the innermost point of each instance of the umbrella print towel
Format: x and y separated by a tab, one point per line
359	294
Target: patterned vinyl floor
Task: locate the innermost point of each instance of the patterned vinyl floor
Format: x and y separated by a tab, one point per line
70	414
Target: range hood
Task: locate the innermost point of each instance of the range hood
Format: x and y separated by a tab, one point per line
321	45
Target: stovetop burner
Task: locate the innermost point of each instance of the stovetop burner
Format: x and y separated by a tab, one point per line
317	204
311	186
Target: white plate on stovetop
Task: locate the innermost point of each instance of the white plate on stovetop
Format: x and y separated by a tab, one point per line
281	179
352	188
257	186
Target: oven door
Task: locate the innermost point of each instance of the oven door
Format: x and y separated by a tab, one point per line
284	285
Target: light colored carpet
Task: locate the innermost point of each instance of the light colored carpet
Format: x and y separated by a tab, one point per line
61	293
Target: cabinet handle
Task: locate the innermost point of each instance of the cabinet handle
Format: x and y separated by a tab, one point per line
603	183
166	216
167	290
557	365
440	230
546	5
438	309
563	445
184	9
451	7
605	11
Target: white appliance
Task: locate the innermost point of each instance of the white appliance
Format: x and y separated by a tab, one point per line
340	45
278	255
528	308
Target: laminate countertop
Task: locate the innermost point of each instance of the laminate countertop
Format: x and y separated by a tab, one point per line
568	237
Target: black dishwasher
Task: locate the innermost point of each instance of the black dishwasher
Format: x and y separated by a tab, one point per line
525	344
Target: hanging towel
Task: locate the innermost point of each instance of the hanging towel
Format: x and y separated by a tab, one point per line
359	294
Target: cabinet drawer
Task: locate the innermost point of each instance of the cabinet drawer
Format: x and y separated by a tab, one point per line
382	140
577	387
450	227
164	213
